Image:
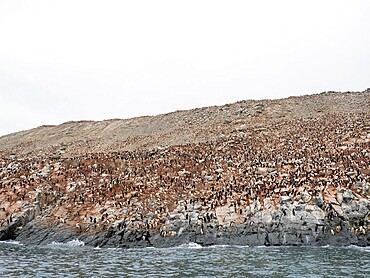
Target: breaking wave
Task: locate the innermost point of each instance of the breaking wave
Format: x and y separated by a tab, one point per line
190	245
11	242
72	243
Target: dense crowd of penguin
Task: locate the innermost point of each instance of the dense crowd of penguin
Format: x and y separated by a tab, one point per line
295	159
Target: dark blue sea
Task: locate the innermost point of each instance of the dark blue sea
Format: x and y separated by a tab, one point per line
73	259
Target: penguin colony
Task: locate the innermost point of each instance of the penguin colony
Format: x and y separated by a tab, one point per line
314	158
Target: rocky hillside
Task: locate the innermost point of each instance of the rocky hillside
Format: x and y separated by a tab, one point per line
178	128
294	171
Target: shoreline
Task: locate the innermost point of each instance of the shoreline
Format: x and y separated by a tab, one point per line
264	228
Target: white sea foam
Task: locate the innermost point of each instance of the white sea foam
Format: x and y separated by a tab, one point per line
227	246
11	242
72	243
190	245
218	246
360	248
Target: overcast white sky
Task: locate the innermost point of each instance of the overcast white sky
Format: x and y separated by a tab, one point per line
94	60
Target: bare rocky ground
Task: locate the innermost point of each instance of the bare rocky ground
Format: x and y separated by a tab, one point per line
294	171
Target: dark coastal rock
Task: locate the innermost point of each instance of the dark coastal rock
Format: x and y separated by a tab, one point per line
293	224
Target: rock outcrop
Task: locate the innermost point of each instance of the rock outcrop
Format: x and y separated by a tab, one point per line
289	172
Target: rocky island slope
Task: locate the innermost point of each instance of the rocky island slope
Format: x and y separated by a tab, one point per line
294	171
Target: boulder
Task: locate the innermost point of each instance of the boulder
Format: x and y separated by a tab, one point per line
347	196
285	199
305	197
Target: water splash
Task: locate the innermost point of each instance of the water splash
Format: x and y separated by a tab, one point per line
72	243
227	246
11	242
190	245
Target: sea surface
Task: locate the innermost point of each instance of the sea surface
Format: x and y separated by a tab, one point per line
73	259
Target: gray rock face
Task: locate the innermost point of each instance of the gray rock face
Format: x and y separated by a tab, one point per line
292	223
305	197
318	201
347	196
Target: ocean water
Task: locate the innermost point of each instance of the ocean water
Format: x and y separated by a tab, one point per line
76	260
